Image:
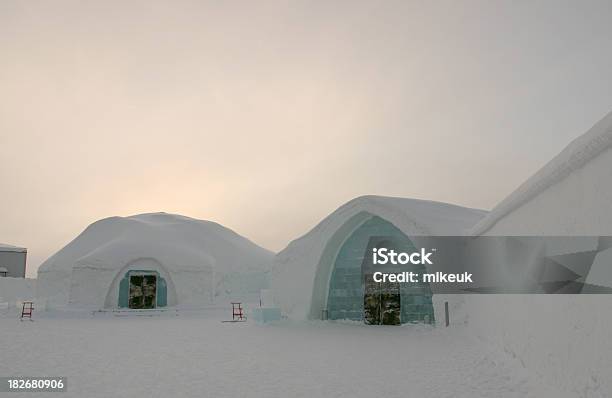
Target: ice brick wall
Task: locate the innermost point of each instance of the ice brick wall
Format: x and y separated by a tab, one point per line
346	288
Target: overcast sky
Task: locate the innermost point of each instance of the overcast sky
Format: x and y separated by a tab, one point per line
267	116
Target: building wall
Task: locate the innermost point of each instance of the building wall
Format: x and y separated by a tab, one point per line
14	262
13	290
53	287
564	339
578	205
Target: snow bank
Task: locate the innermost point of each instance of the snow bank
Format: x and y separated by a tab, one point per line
199	259
296	267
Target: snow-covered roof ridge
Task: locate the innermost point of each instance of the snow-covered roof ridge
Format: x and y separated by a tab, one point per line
428	216
419	216
578	153
10	248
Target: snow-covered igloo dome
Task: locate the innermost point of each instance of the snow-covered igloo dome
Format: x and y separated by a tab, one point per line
153	260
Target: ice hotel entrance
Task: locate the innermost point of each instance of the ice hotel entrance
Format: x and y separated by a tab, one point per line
353	294
142	290
326	273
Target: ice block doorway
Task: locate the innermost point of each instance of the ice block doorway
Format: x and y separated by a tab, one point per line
381	302
143	291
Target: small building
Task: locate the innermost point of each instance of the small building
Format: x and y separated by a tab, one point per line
325	274
12	261
150	261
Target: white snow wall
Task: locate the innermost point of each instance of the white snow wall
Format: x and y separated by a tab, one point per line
98	287
16	289
565	339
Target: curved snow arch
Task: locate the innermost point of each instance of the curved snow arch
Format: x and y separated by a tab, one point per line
141	264
320	288
327	261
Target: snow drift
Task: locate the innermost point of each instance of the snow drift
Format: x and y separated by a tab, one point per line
198	259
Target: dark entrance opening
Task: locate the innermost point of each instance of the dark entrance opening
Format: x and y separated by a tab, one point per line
143	290
381	302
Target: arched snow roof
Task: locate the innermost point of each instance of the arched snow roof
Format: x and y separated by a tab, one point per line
177	242
412	216
300	260
578	153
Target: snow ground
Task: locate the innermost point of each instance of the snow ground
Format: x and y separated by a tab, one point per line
197	355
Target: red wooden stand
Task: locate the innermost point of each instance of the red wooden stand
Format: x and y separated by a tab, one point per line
237	312
27	309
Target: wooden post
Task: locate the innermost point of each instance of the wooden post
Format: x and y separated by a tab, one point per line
446	313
